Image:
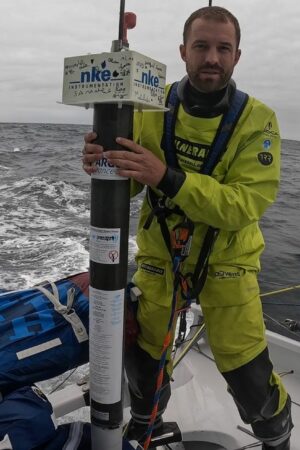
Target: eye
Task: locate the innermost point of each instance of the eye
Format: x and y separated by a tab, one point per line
200	46
224	49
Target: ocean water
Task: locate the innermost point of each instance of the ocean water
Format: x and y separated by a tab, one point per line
44	228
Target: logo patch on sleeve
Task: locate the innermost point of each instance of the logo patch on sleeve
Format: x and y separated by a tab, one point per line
267	144
265	158
152	269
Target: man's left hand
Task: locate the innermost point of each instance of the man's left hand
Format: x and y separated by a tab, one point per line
139	163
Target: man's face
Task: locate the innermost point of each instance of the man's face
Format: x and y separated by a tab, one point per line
210	54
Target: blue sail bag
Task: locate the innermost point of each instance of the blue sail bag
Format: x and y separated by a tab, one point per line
43	331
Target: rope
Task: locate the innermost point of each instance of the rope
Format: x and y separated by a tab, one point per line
62	382
279	291
166	345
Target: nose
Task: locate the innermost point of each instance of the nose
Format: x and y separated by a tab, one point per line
212	56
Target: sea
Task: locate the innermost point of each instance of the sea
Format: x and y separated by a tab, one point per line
45	213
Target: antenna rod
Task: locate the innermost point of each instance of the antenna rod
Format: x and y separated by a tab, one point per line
210	3
121	21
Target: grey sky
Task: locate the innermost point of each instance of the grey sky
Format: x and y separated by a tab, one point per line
36	35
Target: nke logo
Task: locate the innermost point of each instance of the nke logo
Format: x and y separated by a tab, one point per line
96	74
149	79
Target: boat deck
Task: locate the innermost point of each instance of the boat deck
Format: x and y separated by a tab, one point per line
206	413
200	404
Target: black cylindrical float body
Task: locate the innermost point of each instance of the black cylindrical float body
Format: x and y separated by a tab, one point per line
110	207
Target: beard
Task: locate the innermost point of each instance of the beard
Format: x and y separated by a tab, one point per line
215	79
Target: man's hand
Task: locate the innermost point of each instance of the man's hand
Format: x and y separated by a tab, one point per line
137	163
91	153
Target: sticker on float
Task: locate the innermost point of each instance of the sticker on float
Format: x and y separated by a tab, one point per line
105	245
106	337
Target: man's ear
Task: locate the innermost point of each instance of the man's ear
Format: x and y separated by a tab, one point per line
237	56
182	52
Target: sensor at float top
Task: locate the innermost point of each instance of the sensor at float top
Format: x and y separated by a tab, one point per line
117	77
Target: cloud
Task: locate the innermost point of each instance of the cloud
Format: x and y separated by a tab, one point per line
35	37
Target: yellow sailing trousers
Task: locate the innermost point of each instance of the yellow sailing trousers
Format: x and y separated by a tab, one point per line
231	307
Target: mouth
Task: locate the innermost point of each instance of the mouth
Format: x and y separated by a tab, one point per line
210	72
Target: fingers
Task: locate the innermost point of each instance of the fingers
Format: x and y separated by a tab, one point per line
130	145
121	158
90	150
90	137
91	153
134	154
89	169
138	163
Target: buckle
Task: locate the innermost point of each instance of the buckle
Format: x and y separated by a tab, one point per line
181	238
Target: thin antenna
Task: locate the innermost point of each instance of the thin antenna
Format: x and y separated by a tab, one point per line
210	3
127	22
121	21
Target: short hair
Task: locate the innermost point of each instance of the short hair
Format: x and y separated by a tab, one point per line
216	13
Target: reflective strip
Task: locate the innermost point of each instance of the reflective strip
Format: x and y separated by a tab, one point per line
144	419
271	442
38	349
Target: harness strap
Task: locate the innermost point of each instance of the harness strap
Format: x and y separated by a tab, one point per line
225	131
67	312
161	212
198	278
172	103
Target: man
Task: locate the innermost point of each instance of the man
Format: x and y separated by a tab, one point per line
243	184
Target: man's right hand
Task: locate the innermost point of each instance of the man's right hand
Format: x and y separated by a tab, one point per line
91	153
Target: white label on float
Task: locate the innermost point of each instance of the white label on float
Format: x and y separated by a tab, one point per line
105	245
106	171
106	344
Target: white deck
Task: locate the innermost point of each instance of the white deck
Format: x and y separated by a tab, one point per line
205	411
